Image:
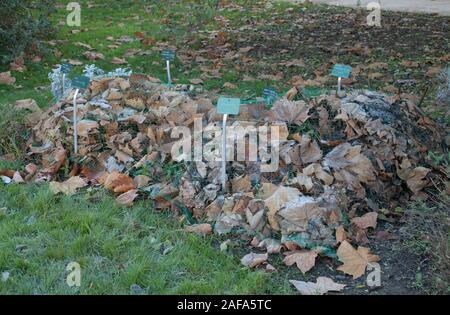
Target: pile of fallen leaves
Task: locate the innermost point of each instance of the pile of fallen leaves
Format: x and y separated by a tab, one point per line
344	163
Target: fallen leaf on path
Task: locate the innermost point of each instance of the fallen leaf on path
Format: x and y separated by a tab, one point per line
355	261
369	220
305	259
323	285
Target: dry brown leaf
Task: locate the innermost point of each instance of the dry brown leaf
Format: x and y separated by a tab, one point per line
322	286
292	112
277	200
69	187
118	61
18	64
202	229
369	220
118	182
92	55
127	198
6	78
305	259
241	184
355	261
416	179
141	181
252	260
341	235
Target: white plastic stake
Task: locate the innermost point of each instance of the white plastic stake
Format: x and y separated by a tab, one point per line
169	77
339	84
224	153
64	84
75	129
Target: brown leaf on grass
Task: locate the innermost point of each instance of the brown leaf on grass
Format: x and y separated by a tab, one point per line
69	187
118	182
18	64
322	286
369	220
141	181
292	112
305	259
75	62
196	81
118	61
92	55
202	229
6	78
127	198
355	261
252	260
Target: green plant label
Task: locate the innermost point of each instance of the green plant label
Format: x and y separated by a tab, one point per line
312	91
168	54
80	82
269	95
66	68
341	71
229	106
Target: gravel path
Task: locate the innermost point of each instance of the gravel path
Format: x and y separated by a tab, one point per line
425	6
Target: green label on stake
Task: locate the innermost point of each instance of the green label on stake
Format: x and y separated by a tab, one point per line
80	82
168	54
341	71
66	68
312	92
269	95
229	106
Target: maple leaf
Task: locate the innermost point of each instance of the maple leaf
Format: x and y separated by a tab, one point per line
292	112
117	182
277	200
321	286
355	261
305	259
69	187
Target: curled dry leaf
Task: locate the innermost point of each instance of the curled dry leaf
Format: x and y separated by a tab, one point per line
355	261
305	259
277	200
127	198
369	220
323	285
341	235
118	182
252	260
69	187
202	229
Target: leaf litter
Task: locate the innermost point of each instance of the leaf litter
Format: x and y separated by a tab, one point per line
371	151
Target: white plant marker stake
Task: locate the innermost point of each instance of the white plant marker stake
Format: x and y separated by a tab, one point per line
224	152
64	84
75	129
169	77
339	84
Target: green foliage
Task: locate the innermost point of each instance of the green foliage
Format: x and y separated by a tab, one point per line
13	133
23	23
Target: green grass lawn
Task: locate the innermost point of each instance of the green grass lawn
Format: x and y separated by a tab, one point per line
119	247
